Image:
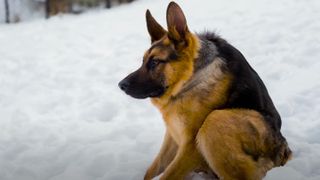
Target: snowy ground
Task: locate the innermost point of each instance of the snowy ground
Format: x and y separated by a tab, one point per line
62	116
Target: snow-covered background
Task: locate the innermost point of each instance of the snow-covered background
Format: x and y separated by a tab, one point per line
23	10
62	116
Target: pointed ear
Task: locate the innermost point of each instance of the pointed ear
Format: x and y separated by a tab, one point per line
177	23
154	28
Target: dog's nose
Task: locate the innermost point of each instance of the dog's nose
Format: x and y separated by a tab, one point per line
123	85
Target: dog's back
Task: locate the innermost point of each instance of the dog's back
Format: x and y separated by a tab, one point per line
247	89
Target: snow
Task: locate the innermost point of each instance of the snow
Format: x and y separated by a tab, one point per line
63	116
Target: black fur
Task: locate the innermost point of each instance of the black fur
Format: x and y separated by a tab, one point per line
207	54
247	89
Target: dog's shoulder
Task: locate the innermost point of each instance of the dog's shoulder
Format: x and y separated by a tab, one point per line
247	89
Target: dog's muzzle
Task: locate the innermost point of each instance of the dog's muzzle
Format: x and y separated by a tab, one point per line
141	90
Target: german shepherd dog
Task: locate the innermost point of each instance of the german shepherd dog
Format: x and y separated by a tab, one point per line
218	114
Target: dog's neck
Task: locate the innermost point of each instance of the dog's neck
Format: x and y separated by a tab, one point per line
203	80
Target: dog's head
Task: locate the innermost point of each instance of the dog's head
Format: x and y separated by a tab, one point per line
168	63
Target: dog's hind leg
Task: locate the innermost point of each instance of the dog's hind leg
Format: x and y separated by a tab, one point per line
163	159
233	144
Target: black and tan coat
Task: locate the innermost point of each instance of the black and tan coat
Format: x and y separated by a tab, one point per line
218	114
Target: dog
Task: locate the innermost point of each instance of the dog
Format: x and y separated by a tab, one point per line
218	114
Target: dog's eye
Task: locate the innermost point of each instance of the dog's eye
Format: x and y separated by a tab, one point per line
153	63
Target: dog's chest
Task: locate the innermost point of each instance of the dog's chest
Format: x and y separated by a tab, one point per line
183	124
177	127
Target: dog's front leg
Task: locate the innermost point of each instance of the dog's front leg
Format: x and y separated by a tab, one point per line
187	159
163	159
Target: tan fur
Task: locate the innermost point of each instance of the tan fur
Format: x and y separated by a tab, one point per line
164	158
158	53
228	136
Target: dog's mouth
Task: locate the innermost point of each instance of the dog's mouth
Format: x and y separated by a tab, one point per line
153	94
142	94
158	93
